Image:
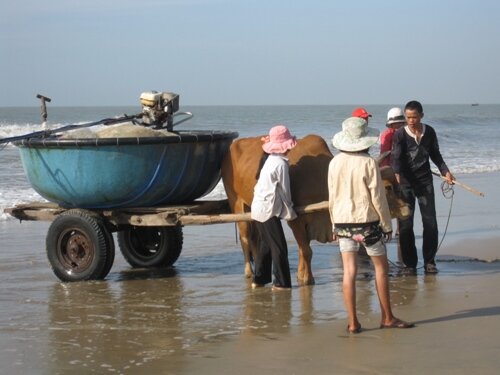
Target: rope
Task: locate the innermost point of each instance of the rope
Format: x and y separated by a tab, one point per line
448	193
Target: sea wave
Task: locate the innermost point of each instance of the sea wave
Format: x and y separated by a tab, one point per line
12	197
467	135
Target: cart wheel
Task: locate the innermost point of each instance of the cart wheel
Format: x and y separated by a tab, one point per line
110	243
79	246
151	246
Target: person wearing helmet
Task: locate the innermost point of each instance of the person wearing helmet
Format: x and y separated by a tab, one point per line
395	120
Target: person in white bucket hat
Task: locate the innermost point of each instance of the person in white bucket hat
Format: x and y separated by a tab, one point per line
356	135
360	216
271	202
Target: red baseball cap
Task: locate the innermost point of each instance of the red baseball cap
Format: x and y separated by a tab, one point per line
361	112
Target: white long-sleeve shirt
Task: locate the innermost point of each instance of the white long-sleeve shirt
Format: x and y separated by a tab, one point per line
272	195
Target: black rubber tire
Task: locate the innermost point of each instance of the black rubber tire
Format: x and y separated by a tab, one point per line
110	245
146	247
78	246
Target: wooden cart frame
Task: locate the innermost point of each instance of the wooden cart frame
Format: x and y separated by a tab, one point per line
80	244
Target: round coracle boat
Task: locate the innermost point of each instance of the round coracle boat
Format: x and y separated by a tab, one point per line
115	172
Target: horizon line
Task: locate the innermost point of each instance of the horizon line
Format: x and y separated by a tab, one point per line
240	105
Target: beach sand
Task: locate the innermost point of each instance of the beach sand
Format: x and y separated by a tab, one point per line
202	317
457	323
456	312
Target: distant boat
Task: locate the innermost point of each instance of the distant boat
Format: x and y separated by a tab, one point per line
474	104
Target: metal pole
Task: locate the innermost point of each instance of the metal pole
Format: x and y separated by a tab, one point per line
43	108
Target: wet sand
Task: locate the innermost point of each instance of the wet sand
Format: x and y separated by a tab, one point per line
457	318
202	317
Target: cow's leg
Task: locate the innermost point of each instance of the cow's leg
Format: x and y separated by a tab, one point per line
304	270
246	245
247	240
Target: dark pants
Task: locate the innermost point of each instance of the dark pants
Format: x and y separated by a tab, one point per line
272	254
426	201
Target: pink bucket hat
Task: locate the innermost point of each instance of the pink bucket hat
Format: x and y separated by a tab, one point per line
279	140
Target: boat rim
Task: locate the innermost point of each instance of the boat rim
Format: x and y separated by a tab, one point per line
186	136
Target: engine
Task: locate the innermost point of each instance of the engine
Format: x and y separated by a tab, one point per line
158	109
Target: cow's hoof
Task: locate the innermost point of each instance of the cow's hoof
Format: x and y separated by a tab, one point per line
305	281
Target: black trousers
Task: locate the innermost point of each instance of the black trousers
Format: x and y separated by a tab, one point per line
272	254
426	202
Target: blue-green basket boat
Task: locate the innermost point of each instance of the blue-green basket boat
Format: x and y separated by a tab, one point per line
100	173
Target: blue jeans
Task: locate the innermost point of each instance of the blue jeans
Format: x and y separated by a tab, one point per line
426	202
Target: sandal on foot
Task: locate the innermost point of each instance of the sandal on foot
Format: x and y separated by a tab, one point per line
397	323
353	330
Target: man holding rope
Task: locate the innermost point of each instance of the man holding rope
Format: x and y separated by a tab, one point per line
413	145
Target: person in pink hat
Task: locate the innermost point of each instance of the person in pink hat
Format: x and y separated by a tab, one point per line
272	201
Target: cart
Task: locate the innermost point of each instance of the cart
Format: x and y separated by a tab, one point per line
137	187
133	175
80	244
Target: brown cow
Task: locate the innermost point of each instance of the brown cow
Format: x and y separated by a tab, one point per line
309	162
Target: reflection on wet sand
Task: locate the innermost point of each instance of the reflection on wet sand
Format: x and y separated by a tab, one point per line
116	326
267	312
306	312
158	321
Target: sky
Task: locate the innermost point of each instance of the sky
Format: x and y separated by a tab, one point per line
250	52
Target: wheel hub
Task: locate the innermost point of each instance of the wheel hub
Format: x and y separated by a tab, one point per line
77	252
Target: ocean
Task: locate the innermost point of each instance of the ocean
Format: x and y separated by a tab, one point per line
164	320
468	134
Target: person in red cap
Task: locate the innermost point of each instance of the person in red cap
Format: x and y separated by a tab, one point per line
361	113
365	115
272	201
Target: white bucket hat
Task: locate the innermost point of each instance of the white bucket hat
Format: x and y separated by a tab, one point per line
394	116
355	135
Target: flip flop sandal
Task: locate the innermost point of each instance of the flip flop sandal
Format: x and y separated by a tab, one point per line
397	324
353	331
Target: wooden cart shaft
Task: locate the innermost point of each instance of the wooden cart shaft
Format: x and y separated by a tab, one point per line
197	213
